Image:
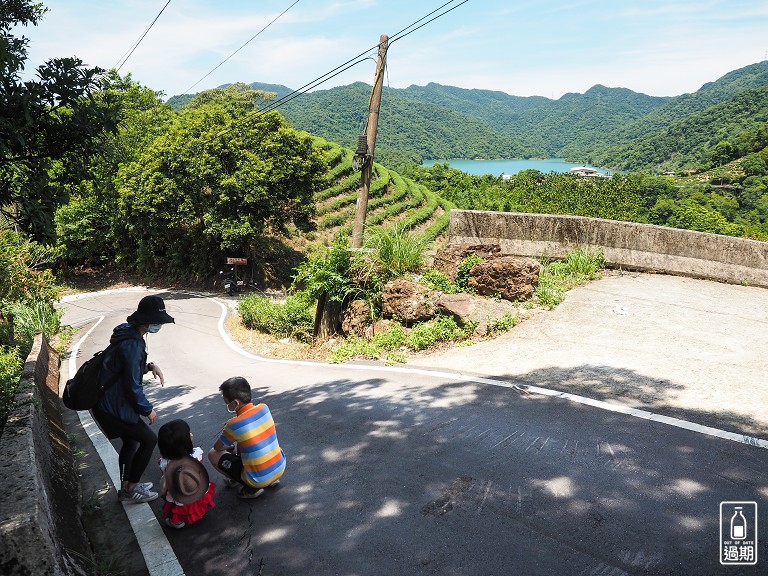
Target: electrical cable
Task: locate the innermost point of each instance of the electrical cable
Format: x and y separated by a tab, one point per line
412	24
241	47
428	21
120	64
341	68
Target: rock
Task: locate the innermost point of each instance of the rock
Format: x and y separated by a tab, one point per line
448	258
407	301
468	308
356	317
510	277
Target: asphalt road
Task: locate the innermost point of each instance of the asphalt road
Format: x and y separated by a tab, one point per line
398	471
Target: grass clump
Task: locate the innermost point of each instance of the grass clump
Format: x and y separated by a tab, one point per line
392	343
559	276
293	318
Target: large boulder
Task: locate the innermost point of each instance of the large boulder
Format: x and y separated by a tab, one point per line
510	277
356	317
469	308
408	301
448	258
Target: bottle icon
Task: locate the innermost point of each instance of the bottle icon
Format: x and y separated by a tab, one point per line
738	525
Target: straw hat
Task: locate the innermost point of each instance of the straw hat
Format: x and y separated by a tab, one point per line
186	479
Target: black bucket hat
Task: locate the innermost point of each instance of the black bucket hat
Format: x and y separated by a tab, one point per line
151	310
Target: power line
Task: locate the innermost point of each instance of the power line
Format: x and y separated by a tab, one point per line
401	36
341	68
122	61
241	47
412	24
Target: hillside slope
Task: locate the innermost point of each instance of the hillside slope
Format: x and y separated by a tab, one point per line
444	122
392	198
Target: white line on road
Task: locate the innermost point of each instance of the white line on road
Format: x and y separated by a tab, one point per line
634	412
158	553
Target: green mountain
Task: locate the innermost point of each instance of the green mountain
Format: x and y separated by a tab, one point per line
694	137
611	127
408	129
606	147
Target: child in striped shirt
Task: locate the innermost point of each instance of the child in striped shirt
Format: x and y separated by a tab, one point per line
247	452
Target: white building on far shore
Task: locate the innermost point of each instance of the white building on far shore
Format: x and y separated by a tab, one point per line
584	171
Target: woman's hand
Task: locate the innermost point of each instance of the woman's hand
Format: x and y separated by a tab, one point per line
156	372
152	417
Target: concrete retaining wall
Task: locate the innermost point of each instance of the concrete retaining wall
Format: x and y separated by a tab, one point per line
626	245
40	529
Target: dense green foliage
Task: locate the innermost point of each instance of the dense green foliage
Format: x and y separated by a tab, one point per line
703	139
599	126
293	318
740	209
26	295
214	182
49	126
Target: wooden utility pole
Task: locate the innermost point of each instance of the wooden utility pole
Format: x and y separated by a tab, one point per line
371	128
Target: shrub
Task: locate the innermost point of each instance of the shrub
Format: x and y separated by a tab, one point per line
437	280
464	267
23	272
390	339
293	318
327	271
424	335
10	371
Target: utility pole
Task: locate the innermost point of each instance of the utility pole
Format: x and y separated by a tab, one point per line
371	128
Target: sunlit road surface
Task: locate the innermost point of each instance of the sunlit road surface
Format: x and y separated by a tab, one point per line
401	472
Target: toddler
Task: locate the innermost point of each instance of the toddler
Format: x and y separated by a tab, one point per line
185	485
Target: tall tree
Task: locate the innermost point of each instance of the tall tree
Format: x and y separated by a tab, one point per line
222	176
51	118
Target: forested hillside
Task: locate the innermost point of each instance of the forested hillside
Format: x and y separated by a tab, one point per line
606	146
696	136
409	130
436	121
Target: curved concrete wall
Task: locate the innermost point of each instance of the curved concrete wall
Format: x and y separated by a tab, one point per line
626	245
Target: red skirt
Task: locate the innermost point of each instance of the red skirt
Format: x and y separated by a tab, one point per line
192	512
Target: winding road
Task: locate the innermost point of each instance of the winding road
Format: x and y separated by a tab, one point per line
415	471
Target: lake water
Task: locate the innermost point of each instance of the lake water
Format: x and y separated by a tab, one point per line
499	167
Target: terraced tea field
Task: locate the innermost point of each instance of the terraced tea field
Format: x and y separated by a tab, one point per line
392	198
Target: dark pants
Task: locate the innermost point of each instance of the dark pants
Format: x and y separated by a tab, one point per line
138	444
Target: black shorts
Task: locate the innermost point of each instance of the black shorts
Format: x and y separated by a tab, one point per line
232	466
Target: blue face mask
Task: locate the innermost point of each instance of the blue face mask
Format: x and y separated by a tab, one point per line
154	328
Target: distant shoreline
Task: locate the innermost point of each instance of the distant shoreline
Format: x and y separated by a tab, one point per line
511	166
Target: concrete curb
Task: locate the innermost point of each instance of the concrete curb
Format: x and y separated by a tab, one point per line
40	529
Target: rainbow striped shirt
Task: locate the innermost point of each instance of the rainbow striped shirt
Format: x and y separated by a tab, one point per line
254	431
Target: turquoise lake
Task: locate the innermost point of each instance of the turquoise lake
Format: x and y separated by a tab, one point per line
499	167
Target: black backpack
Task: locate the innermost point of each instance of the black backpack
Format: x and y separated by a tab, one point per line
84	390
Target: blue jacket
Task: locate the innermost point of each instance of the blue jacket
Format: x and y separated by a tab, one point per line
125	399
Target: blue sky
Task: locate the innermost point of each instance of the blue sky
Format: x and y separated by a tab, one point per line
523	48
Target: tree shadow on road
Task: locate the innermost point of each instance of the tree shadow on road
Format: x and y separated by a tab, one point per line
628	388
457	477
